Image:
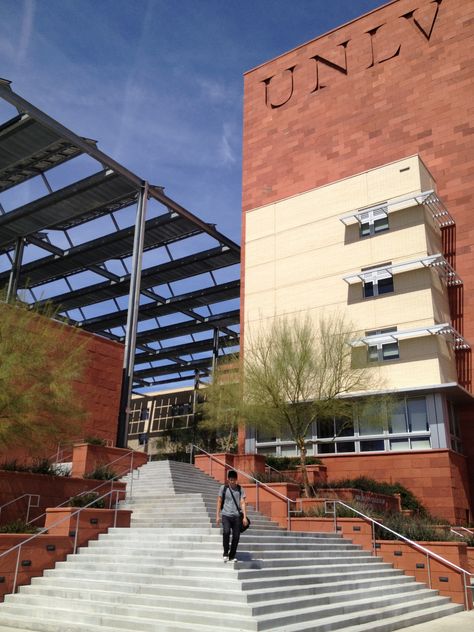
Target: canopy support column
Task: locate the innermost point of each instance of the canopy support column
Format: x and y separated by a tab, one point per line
132	318
16	269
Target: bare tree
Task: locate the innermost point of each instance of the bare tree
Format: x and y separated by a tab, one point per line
222	406
292	374
40	363
298	372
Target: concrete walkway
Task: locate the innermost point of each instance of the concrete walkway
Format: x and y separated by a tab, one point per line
460	622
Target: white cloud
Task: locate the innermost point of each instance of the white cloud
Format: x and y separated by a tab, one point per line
228	153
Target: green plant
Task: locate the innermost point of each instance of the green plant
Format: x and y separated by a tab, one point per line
101	473
318	511
95	441
14	466
365	484
42	466
418	528
18	526
290	462
39	466
82	500
272	477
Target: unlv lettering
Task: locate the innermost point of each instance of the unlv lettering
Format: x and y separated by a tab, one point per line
374	34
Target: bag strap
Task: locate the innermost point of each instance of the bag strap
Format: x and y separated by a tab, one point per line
226	487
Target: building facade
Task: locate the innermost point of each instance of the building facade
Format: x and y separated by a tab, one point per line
357	199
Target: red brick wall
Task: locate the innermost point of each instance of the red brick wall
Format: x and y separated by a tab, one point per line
99	389
437	477
100	386
420	101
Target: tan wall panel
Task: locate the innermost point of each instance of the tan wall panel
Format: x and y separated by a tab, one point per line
260	223
259	306
389	181
260	278
260	251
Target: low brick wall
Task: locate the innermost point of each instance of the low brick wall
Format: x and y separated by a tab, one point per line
439	478
53	490
86	457
88	524
41	553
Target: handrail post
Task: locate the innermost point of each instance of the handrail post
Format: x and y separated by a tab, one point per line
428	564
131	475
16	569
28	510
256	497
289	514
116	507
191	453
77	531
374	548
210	466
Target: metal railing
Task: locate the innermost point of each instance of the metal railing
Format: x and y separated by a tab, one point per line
258	483
63	446
30	504
429	554
109	481
45	531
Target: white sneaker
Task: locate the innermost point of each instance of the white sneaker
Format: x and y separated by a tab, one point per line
225	558
233	560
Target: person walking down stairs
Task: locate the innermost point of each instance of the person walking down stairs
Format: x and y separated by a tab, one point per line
230	504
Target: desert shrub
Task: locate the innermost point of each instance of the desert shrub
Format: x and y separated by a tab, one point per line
43	466
39	466
18	526
272	477
416	528
365	484
82	500
95	441
101	473
290	462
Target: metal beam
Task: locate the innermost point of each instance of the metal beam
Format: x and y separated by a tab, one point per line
23	105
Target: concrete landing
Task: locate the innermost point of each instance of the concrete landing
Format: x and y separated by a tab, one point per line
459	622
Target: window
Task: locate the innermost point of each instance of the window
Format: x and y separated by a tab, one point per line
454	430
398	419
373	222
377	282
376	445
383	350
417	415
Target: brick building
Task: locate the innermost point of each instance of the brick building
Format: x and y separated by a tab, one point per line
357	195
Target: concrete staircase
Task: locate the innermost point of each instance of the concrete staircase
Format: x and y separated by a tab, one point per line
165	574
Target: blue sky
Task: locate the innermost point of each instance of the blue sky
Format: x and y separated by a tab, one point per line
159	82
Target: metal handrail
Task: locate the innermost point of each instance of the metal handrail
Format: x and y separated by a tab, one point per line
62	445
258	483
30	496
45	531
107	482
429	554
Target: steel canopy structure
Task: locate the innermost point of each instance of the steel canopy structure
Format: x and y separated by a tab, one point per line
88	247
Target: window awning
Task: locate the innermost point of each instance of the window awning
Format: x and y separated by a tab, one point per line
427	198
454	337
437	262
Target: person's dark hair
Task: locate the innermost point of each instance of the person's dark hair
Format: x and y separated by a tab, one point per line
232	474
